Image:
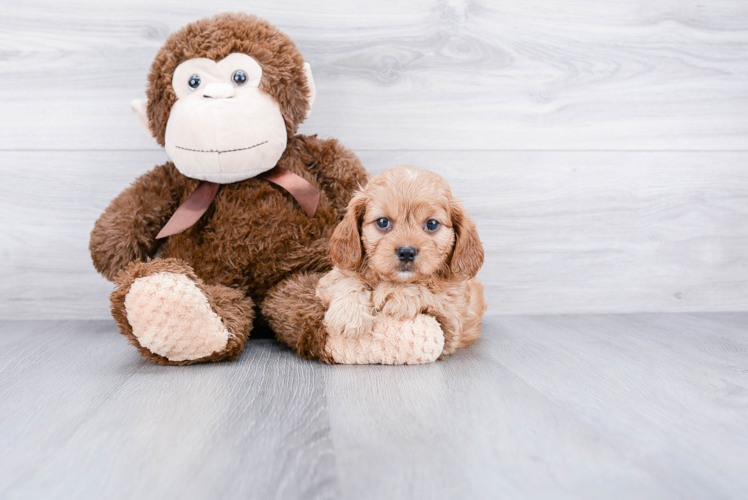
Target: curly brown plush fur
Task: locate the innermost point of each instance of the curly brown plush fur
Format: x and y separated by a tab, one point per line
296	316
255	234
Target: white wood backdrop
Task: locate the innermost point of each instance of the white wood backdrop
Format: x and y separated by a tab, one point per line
601	146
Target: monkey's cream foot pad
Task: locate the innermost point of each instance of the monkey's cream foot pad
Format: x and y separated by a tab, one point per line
171	317
391	342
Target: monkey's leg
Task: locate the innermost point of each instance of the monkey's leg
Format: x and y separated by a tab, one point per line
173	318
296	315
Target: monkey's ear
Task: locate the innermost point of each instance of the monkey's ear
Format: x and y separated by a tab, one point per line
310	85
139	108
467	257
345	244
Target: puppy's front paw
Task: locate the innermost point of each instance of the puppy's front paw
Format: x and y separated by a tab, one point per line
401	310
399	302
362	323
350	316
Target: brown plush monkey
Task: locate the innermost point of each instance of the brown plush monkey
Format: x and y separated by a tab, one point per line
255	203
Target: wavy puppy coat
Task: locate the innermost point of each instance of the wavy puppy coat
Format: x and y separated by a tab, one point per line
405	248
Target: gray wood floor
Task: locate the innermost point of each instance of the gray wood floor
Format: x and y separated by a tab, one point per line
597	406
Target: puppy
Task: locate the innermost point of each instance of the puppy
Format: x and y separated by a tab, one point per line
405	247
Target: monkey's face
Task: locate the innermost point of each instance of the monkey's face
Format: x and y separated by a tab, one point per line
223	128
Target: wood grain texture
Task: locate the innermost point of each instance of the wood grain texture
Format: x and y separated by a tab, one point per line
595	406
545	117
444	74
548	407
564	232
78	398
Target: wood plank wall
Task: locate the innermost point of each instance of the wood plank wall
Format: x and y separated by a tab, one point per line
601	146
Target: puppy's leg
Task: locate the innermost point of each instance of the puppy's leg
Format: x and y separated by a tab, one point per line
350	310
402	301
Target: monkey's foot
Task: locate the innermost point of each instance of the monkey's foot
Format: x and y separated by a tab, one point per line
174	318
391	342
171	317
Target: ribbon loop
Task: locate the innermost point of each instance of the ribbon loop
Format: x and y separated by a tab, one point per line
200	200
300	188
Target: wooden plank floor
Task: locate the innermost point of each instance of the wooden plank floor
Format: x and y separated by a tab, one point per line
597	406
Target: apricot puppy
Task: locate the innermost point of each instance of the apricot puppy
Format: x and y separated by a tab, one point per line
404	248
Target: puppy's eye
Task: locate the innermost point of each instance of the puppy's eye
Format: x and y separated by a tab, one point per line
383	223
239	78
194	81
432	225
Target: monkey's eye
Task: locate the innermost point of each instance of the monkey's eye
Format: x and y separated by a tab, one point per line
239	77
194	82
383	223
432	225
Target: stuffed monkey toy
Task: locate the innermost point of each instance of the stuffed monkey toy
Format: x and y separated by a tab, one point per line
195	245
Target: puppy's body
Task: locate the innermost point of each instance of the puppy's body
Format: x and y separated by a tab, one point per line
405	247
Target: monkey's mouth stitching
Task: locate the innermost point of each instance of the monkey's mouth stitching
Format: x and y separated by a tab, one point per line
219	152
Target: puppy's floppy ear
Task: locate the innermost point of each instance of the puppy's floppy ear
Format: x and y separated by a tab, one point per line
345	244
467	257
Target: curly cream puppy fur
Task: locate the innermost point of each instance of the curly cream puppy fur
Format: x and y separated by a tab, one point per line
405	247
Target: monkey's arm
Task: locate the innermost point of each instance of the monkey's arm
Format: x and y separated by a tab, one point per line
127	229
338	170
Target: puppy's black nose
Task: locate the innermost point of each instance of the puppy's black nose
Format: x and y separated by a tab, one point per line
406	254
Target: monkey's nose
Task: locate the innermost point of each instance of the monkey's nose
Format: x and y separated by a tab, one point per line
218	90
406	254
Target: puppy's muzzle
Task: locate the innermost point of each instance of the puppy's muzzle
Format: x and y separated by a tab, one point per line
406	254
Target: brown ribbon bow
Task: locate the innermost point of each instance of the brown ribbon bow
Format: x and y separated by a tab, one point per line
199	201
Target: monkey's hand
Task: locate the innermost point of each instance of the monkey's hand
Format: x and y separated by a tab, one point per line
338	170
